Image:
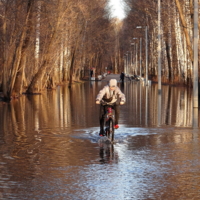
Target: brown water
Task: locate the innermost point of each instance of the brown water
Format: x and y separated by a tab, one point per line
50	148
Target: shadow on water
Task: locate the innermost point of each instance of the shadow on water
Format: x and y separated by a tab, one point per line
50	146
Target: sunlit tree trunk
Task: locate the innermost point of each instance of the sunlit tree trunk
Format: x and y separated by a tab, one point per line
184	24
168	37
37	36
10	80
20	78
66	64
71	69
36	84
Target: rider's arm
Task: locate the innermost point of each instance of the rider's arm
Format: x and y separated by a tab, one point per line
121	95
101	94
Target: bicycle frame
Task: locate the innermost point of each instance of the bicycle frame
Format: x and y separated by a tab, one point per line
109	123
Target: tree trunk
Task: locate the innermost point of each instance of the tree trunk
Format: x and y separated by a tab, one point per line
9	81
18	84
36	83
18	87
71	69
183	21
169	60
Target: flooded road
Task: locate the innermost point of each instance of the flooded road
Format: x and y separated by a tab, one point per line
50	149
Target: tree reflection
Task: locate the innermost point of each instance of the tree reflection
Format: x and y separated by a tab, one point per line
148	108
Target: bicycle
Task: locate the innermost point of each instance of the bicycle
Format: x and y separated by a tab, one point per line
109	121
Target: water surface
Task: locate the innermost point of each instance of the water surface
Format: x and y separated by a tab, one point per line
50	148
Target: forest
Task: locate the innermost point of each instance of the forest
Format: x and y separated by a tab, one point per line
49	43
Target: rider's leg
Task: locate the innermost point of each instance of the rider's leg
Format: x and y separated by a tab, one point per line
116	108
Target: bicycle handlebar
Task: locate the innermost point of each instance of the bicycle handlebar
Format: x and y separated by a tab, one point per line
108	104
105	103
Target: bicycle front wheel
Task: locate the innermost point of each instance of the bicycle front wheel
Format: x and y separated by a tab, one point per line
111	130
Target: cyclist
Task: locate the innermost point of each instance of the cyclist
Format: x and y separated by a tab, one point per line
111	94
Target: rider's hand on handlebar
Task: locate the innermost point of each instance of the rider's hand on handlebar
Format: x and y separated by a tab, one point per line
122	102
97	102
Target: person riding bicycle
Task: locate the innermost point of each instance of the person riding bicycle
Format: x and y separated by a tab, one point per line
110	94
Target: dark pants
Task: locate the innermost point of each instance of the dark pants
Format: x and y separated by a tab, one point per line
102	114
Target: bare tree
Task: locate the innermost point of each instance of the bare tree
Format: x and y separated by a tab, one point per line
176	29
46	43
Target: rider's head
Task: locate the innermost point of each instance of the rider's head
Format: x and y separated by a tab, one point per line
112	84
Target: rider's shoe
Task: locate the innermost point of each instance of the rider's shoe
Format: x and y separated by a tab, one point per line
102	133
116	126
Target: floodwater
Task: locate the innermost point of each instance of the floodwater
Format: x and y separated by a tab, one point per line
50	148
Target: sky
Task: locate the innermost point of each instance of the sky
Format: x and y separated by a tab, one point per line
117	8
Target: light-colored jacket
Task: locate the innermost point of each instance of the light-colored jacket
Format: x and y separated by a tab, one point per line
110	96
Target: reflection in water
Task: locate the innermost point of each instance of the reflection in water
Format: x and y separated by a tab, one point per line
107	154
172	107
159	108
146	106
195	118
49	146
65	108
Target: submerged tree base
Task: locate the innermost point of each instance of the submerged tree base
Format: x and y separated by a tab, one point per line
174	82
34	93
